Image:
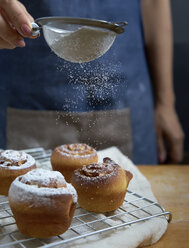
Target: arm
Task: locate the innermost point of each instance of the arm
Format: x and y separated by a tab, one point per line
14	24
157	25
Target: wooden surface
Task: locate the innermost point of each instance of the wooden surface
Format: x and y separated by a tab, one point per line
170	185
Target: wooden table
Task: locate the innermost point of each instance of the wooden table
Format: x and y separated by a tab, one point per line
170	185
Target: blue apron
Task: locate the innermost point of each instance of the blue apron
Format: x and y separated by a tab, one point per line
34	78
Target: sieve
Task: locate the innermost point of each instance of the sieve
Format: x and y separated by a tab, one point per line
78	40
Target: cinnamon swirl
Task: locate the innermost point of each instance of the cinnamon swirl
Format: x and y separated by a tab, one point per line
67	158
101	187
13	164
42	203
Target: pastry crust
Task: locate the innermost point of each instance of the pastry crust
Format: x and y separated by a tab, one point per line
101	187
13	164
69	157
42	203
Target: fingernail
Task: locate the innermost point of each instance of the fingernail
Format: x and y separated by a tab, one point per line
26	29
20	43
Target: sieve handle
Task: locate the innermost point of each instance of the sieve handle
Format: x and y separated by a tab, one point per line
119	26
35	29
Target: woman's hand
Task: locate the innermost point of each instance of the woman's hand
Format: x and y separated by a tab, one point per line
14	24
169	132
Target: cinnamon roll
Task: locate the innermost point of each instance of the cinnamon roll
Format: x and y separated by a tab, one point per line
42	203
67	158
13	164
101	187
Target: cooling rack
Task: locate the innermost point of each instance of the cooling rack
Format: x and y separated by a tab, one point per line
135	209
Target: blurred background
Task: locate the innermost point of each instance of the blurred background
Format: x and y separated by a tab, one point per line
180	15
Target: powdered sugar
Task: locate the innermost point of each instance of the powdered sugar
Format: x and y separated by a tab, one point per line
14	155
43	177
95	172
15	159
34	185
79	46
77	150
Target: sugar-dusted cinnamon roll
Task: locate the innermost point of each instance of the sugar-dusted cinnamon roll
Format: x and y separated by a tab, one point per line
13	164
67	158
42	203
101	187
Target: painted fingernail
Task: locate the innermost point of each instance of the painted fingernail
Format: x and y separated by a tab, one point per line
20	43
26	29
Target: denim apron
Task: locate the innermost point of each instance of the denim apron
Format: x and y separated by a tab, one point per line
46	101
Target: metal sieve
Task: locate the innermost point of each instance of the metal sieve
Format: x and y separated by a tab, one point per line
78	40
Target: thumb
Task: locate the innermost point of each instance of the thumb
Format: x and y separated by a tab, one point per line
17	16
162	153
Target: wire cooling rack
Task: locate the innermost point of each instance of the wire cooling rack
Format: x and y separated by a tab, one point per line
135	209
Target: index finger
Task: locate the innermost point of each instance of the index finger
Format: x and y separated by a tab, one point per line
17	16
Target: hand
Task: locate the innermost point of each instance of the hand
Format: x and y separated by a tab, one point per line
169	130
14	24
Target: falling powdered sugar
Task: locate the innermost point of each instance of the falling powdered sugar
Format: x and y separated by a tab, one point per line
93	86
87	87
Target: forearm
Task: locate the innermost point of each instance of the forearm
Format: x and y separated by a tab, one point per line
157	25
